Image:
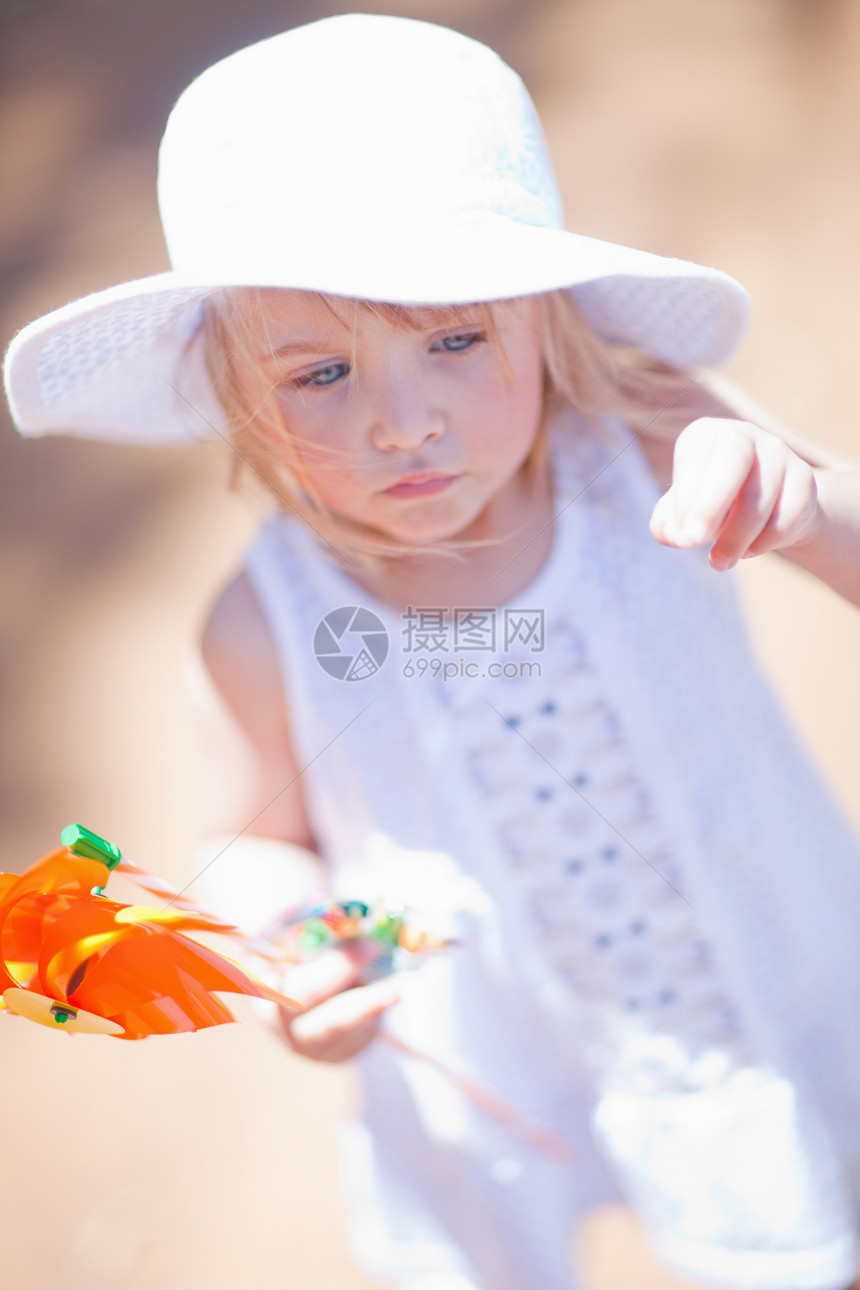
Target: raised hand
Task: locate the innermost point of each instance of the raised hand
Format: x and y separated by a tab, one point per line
741	488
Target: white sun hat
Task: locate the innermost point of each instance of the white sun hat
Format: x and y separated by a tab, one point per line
364	156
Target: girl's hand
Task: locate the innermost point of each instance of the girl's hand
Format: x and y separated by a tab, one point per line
342	1017
737	486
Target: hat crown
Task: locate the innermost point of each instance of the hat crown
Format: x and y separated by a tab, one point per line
341	128
364	156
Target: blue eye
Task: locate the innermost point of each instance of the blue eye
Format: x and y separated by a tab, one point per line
324	375
457	343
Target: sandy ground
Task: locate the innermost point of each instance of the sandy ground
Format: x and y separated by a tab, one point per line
724	131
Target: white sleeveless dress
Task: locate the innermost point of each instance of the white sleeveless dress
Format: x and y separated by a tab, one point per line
655	898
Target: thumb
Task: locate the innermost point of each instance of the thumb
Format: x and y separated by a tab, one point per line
663	515
341	1027
330	972
664	524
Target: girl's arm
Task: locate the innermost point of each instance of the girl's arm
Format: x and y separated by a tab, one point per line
751	486
241	659
242	662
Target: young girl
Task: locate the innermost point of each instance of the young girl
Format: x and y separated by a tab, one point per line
475	683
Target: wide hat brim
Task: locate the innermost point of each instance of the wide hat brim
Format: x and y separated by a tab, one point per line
125	364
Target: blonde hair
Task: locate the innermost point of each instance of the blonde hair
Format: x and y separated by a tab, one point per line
579	368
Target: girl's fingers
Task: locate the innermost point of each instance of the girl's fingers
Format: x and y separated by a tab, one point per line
343	1025
737	486
664	525
796	513
712	462
751	510
342	1017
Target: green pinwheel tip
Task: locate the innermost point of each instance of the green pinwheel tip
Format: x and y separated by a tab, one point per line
89	845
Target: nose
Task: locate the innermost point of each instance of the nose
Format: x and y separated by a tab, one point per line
404	416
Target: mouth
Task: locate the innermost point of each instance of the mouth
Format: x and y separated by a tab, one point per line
424	484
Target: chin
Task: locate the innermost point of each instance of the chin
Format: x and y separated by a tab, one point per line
424	531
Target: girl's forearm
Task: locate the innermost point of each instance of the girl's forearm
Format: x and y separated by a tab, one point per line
833	552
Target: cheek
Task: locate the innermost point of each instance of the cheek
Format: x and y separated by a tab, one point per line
337	487
516	414
325	450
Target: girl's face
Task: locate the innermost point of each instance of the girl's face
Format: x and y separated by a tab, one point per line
410	432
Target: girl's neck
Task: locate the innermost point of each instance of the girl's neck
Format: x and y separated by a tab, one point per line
520	527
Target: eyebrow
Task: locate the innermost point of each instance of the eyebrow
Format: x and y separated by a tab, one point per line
427	316
291	348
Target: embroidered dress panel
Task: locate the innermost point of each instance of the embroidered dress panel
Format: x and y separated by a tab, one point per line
606	984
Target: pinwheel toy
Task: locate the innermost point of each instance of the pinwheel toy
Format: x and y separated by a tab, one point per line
74	959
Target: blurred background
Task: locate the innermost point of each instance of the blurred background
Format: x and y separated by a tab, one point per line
724	131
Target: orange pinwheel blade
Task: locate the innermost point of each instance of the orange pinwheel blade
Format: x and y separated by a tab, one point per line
160	982
23	932
25	901
60	872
